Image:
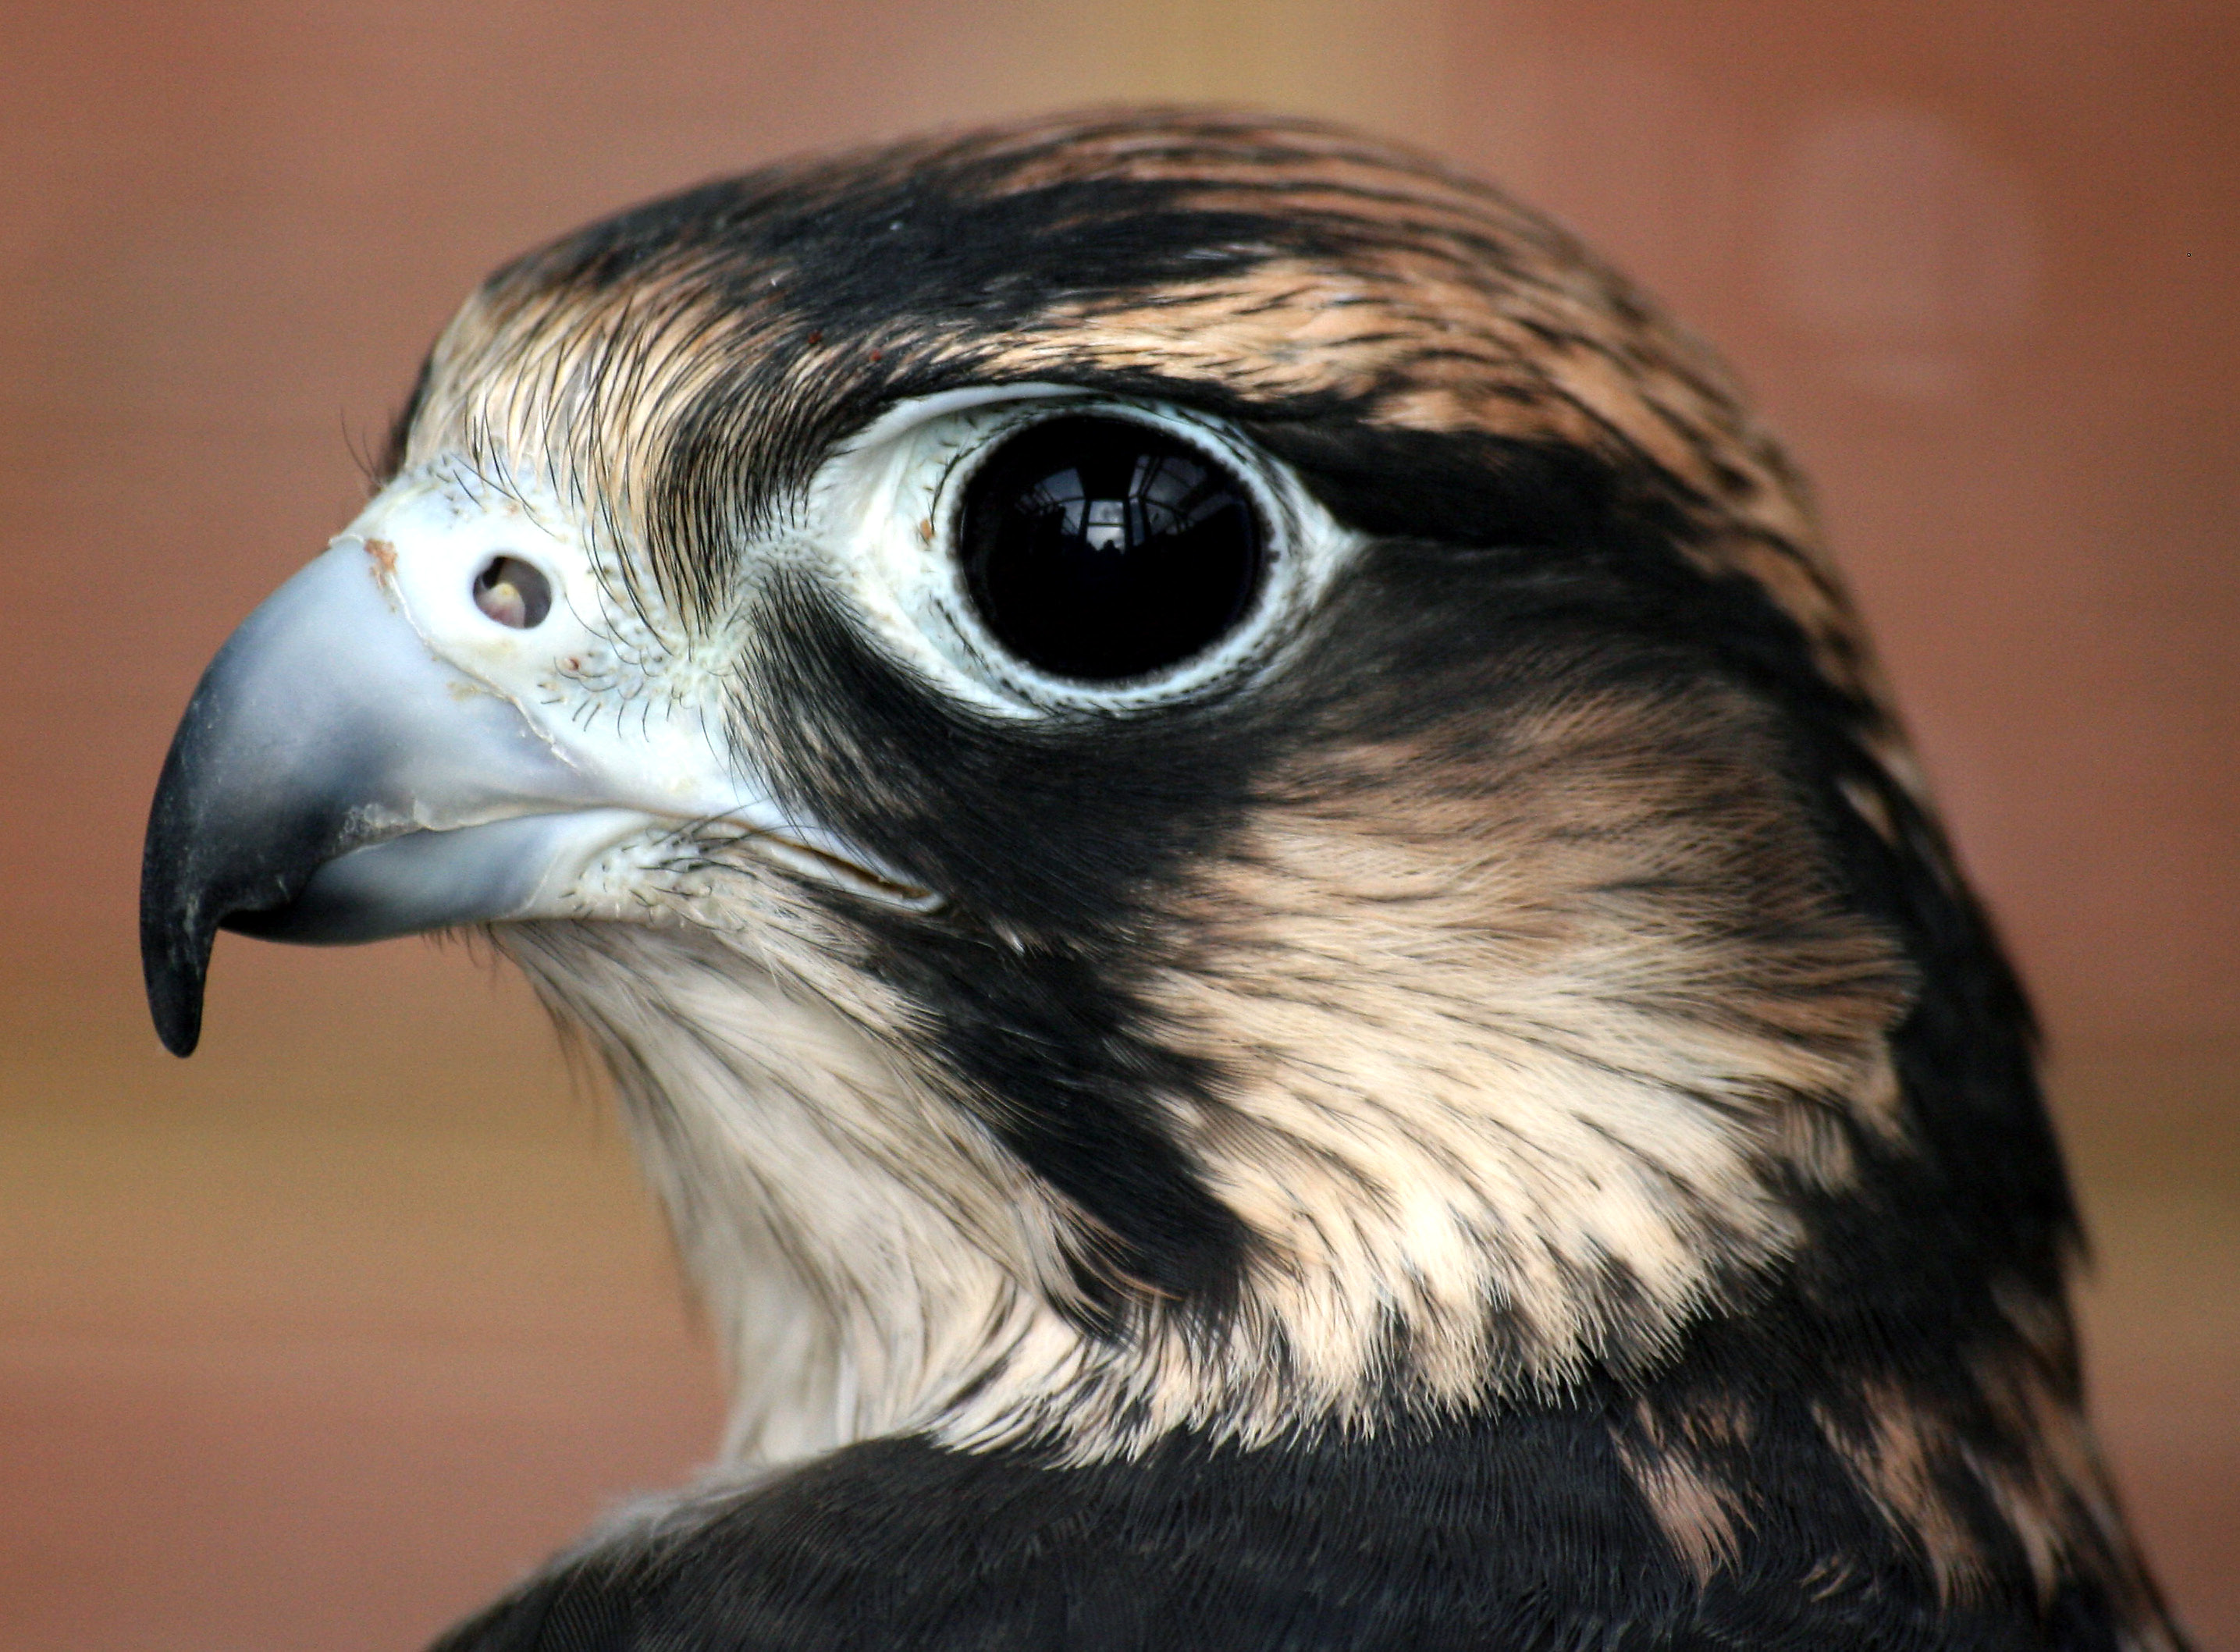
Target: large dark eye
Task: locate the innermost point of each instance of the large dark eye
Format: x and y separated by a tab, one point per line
1100	549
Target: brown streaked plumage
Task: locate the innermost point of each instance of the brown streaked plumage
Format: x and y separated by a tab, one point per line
1452	309
1466	934
1467	1106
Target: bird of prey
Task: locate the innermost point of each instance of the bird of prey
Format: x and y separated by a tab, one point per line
1249	888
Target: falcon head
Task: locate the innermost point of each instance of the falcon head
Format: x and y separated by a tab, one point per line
1194	775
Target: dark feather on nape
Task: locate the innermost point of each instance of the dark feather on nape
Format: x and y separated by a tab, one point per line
1529	1529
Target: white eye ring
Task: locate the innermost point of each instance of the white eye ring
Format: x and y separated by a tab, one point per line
886	511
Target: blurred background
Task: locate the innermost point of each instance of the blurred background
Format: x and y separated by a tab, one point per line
318	1340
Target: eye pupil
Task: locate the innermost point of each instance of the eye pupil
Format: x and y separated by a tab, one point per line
514	593
1100	548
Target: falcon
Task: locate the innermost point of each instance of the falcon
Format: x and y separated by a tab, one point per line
1252	894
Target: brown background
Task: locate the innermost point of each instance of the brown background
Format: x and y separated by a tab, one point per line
316	1341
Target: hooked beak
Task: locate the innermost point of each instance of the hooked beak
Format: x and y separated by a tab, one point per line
370	755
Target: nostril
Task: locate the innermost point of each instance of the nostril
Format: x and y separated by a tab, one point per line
514	593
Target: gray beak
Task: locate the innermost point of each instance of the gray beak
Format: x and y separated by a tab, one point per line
334	781
399	740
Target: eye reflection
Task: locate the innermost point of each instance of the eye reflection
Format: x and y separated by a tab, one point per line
514	593
1101	550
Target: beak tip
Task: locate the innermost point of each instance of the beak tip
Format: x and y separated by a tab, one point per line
174	954
174	969
180	1028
